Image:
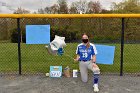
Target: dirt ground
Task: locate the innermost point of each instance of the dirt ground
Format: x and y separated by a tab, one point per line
43	84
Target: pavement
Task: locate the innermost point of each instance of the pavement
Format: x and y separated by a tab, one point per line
43	84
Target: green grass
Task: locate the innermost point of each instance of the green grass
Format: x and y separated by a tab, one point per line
35	58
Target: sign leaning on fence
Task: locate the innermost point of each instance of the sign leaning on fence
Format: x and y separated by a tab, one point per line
37	34
55	71
105	54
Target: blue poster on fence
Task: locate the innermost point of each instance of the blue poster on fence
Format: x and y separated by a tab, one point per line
37	34
105	54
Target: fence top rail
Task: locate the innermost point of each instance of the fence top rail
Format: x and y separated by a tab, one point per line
69	15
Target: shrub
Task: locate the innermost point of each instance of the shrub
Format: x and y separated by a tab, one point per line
69	35
14	36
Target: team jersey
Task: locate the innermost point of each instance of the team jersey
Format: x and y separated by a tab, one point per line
86	53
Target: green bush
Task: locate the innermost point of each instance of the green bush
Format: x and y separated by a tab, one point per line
69	35
106	39
14	36
23	37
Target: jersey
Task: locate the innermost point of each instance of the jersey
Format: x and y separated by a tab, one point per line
86	53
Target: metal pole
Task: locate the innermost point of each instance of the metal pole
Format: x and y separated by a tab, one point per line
19	40
122	47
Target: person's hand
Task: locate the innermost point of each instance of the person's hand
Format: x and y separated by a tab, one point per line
76	60
93	61
94	65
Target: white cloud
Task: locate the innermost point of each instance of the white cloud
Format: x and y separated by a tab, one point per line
5	10
33	5
107	3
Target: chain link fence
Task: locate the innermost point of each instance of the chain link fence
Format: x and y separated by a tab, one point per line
8	50
132	46
36	60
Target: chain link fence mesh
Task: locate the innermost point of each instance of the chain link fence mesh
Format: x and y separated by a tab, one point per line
8	50
36	60
132	46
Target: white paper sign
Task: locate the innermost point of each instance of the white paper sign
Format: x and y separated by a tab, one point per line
55	74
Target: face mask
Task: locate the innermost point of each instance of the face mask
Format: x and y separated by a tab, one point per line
85	40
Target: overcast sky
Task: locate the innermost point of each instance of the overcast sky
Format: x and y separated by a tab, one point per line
8	6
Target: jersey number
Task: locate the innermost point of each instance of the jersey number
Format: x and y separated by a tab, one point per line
85	55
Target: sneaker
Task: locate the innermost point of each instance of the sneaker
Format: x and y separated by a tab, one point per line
96	89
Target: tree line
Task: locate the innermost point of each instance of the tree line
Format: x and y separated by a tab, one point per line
101	29
91	7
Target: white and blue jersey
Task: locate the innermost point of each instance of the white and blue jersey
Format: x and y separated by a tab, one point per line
86	53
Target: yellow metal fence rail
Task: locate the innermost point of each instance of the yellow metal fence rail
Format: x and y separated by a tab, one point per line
69	15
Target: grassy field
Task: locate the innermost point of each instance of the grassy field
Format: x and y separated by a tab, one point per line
35	58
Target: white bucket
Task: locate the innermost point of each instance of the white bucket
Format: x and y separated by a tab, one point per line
75	72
